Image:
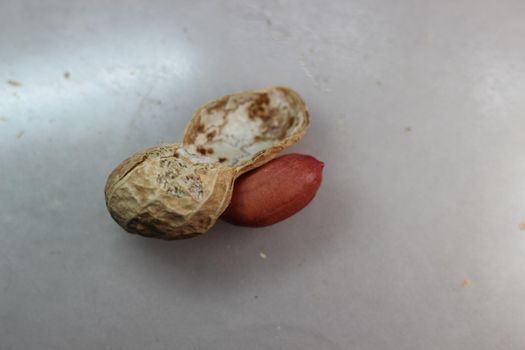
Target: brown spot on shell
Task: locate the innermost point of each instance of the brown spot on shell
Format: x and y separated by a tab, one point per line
222	159
218	105
204	151
211	135
260	108
201	150
291	122
201	127
205	221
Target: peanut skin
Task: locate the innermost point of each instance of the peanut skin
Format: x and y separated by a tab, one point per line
274	191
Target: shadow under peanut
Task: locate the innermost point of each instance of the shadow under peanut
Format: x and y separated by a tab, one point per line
230	257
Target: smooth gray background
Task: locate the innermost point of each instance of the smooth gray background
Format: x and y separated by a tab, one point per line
413	242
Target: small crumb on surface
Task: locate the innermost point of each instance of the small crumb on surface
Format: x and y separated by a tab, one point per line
522	226
466	282
14	83
379	82
3	119
20	134
67	75
262	255
408	129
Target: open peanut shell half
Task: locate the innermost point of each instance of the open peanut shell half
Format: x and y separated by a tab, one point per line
247	129
178	191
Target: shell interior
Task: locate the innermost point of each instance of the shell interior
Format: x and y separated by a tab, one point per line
238	128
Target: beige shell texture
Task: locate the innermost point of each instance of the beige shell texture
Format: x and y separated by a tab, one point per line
247	129
178	191
167	193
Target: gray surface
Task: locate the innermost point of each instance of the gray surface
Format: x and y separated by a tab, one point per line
377	261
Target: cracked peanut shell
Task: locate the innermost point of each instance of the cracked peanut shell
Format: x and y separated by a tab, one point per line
178	191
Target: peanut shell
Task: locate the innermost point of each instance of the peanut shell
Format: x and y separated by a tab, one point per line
178	191
247	129
166	192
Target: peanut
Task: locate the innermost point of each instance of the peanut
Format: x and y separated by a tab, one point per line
274	191
179	190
